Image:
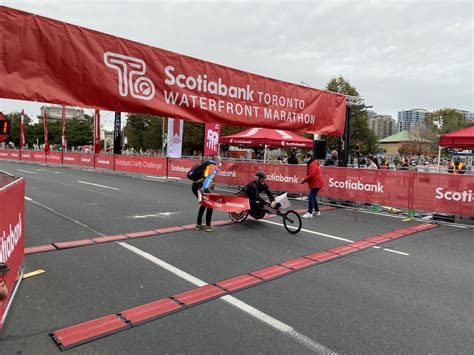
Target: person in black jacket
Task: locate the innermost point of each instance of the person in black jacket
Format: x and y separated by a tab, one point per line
255	188
332	161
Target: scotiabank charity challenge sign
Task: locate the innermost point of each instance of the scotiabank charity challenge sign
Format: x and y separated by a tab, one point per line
121	75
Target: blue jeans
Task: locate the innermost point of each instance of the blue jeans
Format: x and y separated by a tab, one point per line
312	201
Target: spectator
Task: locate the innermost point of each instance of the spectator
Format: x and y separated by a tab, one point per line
370	163
456	167
292	159
314	178
332	161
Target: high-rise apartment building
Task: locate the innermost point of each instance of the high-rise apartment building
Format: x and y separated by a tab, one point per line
468	116
408	119
382	125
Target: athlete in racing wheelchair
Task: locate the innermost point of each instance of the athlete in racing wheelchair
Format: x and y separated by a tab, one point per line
259	207
253	190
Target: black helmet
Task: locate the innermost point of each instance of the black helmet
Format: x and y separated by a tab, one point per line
260	174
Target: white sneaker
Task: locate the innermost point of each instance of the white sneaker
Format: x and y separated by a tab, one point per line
317	213
307	215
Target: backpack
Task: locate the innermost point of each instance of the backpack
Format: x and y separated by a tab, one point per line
197	171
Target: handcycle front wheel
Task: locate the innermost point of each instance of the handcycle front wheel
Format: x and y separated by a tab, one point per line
292	221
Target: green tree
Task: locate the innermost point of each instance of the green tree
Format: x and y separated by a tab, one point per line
78	132
445	120
152	136
359	131
144	131
135	130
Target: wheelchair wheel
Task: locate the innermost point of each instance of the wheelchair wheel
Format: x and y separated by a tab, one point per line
257	213
292	222
238	217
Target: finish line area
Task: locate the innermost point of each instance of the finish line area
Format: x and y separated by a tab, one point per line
120	247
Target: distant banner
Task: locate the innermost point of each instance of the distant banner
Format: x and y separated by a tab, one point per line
116	74
63	129
175	138
12	238
225	203
96	132
212	133
45	129
22	129
118	133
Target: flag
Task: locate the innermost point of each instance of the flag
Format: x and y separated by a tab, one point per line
175	137
22	129
63	127
97	132
45	127
212	132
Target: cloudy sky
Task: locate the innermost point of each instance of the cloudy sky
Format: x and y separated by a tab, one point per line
398	54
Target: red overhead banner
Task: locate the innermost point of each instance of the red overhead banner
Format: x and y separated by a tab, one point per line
116	74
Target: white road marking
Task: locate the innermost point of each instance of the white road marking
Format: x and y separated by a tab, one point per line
263	317
162	177
28	198
334	237
26	171
159	214
56	172
395	251
105	187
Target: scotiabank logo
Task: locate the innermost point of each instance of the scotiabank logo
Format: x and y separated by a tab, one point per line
130	76
463	196
355	185
9	239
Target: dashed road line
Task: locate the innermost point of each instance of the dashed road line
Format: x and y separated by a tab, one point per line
104	186
26	171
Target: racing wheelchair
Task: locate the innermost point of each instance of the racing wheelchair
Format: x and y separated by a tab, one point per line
291	219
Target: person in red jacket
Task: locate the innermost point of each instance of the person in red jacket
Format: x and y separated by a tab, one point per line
314	178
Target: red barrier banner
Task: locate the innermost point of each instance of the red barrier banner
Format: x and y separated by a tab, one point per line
12	237
225	203
139	78
104	161
179	167
71	158
7	154
39	157
15	155
54	158
86	160
140	164
26	155
450	193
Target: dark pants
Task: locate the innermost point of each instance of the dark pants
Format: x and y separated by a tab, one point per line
312	201
195	188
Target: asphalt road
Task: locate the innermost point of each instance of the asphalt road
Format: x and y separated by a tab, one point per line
412	296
